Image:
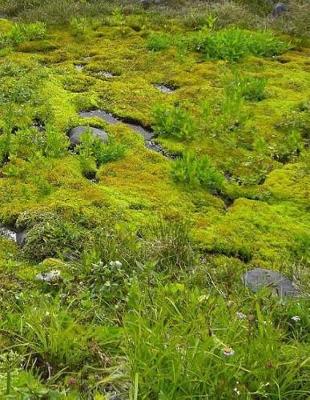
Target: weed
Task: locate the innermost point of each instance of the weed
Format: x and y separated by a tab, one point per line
174	121
194	172
170	245
250	88
79	27
24	32
48	236
158	42
101	152
232	44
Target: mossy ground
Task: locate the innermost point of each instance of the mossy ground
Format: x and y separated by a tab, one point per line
70	328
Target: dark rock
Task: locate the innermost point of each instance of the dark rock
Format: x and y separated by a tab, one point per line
21	238
146	3
76	133
108	117
147	134
278	10
259	278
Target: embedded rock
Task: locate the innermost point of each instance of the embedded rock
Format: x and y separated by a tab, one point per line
76	133
17	236
259	278
49	277
278	10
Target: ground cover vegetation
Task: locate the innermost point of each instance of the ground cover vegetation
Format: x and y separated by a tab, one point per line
122	255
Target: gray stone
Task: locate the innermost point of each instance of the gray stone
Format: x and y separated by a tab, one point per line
76	133
53	276
7	233
259	278
17	236
108	117
164	88
278	10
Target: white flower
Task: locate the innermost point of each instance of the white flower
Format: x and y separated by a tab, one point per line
228	351
116	264
295	318
240	315
237	391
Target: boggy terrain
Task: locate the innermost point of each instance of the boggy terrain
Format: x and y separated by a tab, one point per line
123	249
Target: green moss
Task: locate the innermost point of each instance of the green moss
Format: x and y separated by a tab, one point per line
253	212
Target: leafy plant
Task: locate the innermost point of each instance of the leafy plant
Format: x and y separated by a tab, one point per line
250	88
79	27
233	43
194	171
158	42
55	143
23	32
174	121
102	153
49	236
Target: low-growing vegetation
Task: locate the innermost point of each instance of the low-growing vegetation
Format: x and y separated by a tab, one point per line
152	156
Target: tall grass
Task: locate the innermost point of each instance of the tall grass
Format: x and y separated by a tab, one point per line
232	44
184	345
197	171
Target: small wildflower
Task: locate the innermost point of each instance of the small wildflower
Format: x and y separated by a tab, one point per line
240	315
228	351
203	298
296	318
116	264
237	391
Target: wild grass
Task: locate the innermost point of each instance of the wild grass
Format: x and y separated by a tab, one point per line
197	171
182	344
150	301
174	121
158	42
21	33
232	44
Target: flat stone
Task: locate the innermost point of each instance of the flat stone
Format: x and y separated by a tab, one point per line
7	233
108	117
147	134
279	9
106	74
259	278
76	133
164	88
79	67
49	277
17	236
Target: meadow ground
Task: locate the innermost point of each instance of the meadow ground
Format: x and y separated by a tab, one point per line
204	176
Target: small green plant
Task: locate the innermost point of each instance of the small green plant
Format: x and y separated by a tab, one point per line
9	362
49	236
250	87
194	171
55	143
79	27
158	42
174	121
102	153
233	43
170	245
23	32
